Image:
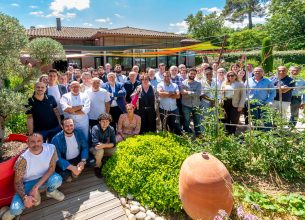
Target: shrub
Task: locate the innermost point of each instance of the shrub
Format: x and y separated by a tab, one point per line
267	55
16	124
147	166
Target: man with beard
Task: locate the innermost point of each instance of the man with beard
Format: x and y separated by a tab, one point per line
76	105
191	91
34	171
42	115
119	76
72	151
101	74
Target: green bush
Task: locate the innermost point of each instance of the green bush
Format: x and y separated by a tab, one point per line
147	167
267	55
16	124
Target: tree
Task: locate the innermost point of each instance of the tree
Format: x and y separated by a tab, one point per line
239	10
266	55
13	40
286	24
202	27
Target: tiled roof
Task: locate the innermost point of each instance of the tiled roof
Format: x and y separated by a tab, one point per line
90	33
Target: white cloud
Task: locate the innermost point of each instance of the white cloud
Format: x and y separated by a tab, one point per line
119	16
179	27
87	24
103	20
60	5
15	5
255	20
37	13
211	10
33	6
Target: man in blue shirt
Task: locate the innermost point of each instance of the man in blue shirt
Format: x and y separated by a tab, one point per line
298	97
283	96
260	98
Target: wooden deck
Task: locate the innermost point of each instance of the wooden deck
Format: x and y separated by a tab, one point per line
85	198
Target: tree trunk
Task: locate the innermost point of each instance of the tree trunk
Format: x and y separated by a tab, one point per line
250	19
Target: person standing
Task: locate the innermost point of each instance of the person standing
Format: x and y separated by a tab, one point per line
130	85
42	115
34	171
191	91
119	76
159	74
76	105
234	97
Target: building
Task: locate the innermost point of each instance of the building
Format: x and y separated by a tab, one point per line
103	41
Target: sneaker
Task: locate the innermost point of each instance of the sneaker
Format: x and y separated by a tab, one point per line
7	215
97	171
38	199
56	194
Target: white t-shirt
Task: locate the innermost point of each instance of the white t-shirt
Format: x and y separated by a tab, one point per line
72	147
97	102
54	91
229	91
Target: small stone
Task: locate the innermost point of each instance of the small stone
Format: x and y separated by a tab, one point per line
147	218
159	218
135	203
129	196
140	215
131	217
142	209
127	211
127	206
123	201
134	209
151	214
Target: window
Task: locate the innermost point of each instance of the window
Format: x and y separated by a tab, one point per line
162	60
75	62
99	61
172	61
151	62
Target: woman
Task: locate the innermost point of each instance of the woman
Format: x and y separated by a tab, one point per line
129	124
146	105
235	68
241	75
87	84
234	96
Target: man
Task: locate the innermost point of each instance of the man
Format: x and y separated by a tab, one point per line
63	80
208	89
249	70
72	150
76	105
191	91
161	71
107	68
283	82
298	97
152	78
34	171
136	69
169	113
175	78
55	90
119	76
130	85
42	115
103	141
215	66
99	101
182	71
117	98
260	98
101	74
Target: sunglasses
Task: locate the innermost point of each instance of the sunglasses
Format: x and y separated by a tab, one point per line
231	76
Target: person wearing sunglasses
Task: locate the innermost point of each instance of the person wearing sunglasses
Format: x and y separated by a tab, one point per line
234	97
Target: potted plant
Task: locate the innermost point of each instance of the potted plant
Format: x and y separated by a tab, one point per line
13	146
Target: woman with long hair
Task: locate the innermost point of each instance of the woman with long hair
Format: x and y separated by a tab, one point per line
234	97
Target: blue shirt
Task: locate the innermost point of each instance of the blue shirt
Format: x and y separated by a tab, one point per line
299	92
263	96
177	80
286	81
168	104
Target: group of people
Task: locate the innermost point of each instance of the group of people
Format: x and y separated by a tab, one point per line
76	118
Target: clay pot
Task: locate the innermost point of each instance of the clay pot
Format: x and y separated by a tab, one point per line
205	187
7	190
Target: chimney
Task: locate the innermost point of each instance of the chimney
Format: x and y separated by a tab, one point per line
58	24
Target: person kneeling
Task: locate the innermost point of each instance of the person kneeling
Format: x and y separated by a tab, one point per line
103	141
72	150
34	171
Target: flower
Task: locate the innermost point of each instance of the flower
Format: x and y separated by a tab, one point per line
217	217
240	211
222	213
256	207
250	217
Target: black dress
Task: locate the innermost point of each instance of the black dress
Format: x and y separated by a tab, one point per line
147	110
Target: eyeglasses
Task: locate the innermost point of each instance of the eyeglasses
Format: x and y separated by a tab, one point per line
144	79
231	76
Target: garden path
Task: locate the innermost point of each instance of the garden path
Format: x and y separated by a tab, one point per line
85	198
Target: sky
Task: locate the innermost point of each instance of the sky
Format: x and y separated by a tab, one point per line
159	15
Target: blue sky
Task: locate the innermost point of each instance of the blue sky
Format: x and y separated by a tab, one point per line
161	15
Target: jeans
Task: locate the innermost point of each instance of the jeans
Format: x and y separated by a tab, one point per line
172	120
187	111
49	134
294	109
51	184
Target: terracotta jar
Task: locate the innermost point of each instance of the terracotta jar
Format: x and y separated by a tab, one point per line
205	187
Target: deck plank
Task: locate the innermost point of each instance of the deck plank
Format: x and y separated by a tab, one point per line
85	198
